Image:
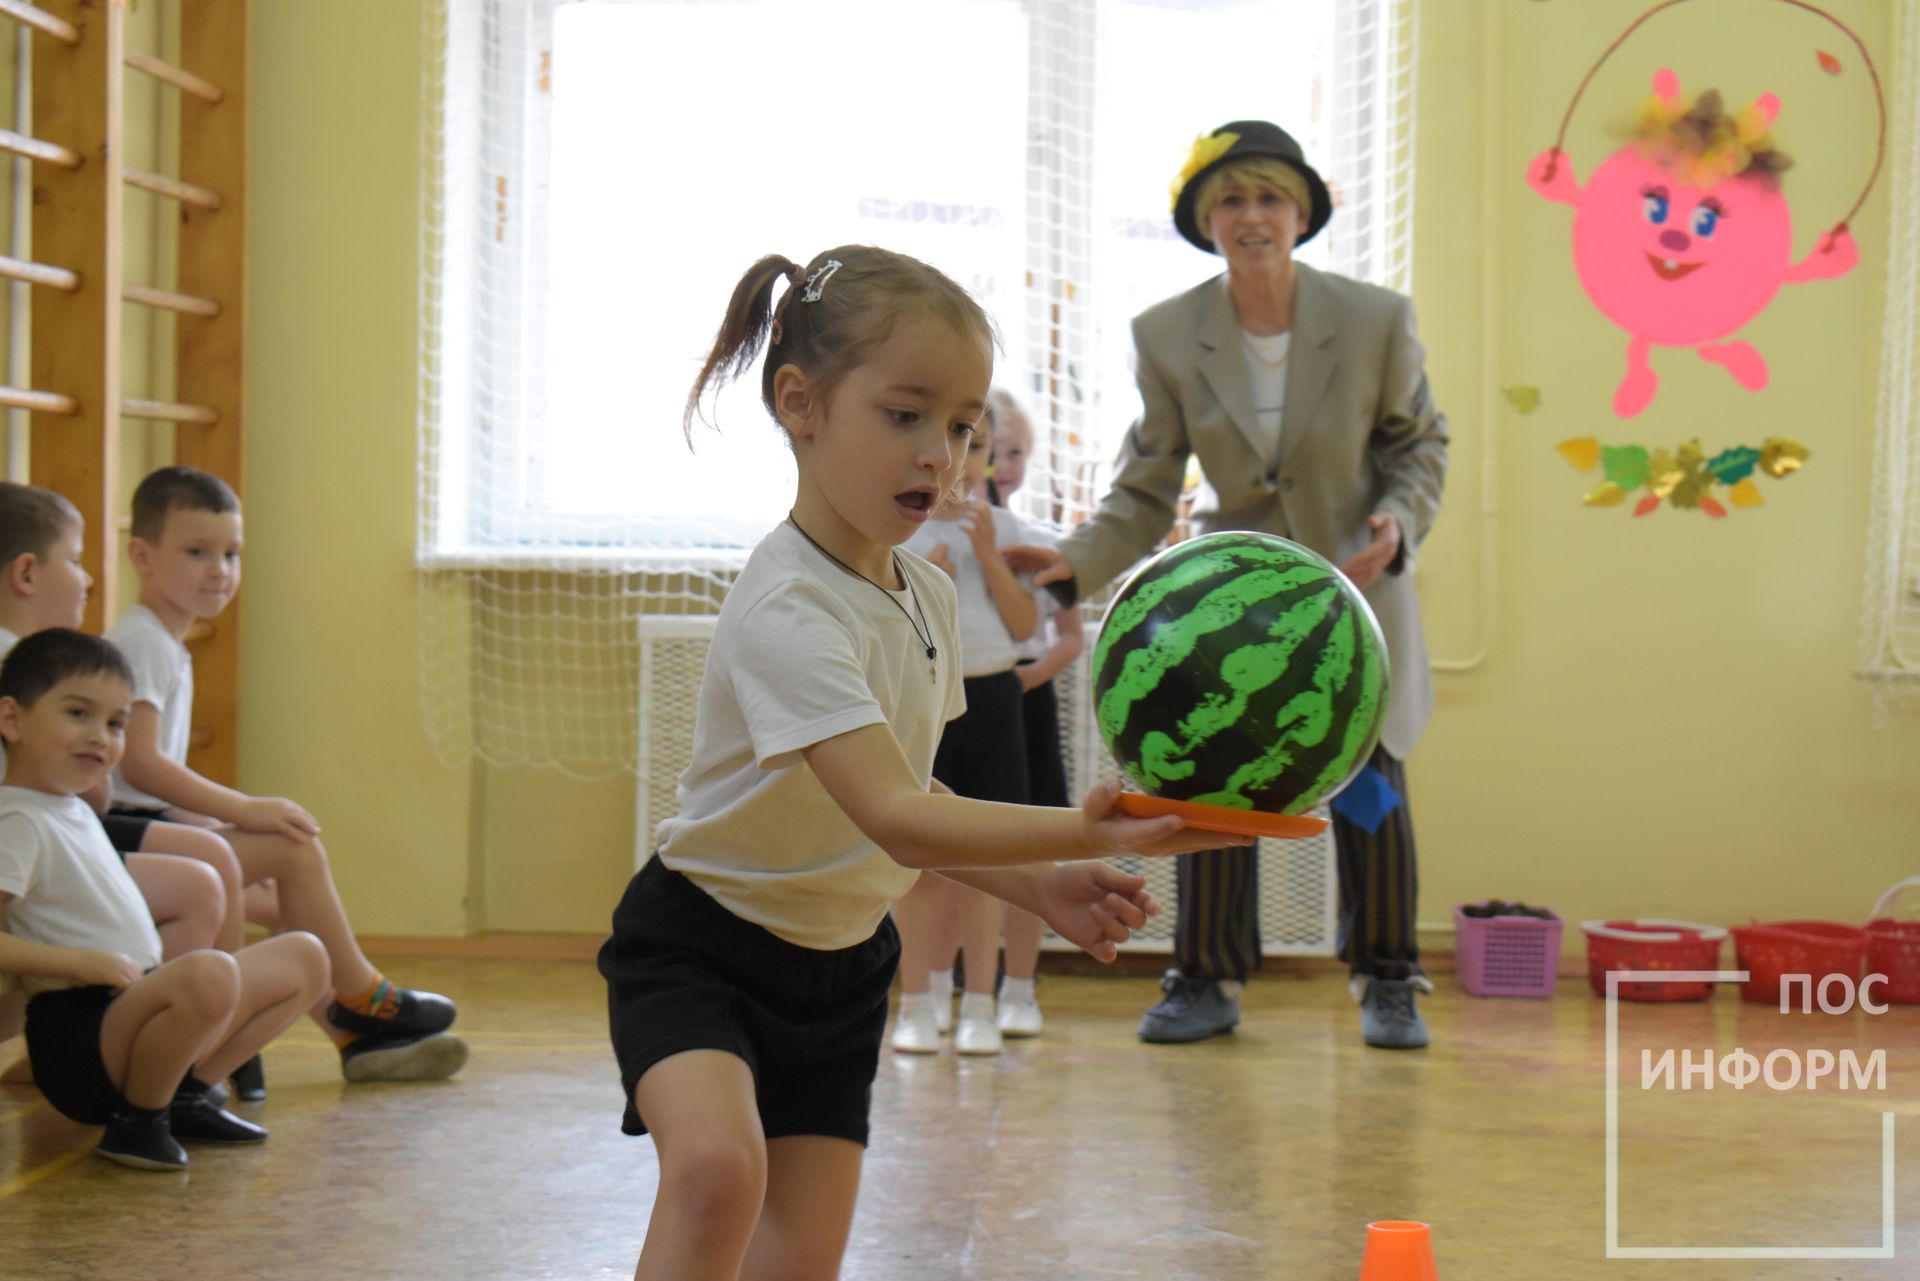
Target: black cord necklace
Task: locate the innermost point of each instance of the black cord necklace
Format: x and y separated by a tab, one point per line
921	630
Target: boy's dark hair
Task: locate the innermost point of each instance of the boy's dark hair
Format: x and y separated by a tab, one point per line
44	659
178	489
837	307
31	520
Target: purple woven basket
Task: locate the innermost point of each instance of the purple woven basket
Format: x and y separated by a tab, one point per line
1506	955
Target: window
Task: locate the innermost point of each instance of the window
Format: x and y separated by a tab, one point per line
602	172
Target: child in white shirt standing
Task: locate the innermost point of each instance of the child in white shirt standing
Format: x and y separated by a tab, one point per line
982	755
1054	646
750	959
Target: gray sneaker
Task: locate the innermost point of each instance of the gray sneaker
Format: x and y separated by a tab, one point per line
1192	1009
1388	1018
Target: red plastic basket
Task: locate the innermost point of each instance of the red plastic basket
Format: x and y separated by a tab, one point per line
1893	948
1818	949
1652	945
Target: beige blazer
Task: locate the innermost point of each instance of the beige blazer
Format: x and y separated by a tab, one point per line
1360	435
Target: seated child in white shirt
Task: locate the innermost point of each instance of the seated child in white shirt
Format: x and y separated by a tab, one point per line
117	1037
185	547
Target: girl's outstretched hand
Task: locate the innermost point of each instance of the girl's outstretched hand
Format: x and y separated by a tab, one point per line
1110	832
1094	906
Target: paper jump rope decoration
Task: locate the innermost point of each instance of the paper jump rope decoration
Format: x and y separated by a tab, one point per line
1682	236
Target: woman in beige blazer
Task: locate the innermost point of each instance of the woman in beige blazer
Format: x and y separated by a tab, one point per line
1304	396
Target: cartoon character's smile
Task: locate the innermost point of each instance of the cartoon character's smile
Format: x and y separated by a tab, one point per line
1668	269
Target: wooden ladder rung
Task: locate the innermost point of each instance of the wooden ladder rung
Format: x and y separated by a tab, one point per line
161	185
186	304
178	77
166	411
39	19
40	402
38	273
36	149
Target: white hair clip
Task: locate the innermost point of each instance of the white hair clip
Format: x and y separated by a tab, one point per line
817	282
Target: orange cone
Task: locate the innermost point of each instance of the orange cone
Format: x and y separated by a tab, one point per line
1398	1251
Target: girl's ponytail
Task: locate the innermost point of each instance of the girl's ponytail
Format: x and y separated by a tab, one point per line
743	332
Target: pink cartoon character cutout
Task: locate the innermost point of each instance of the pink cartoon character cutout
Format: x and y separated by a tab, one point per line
1682	236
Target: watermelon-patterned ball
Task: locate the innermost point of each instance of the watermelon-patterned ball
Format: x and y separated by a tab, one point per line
1240	670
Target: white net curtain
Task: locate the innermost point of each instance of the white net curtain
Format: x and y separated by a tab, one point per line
600	173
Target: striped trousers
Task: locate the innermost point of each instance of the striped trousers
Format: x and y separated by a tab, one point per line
1216	931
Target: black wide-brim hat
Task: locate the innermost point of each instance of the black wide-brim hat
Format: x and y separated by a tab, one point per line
1248	138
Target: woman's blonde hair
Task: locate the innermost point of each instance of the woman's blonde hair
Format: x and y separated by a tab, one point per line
1254	172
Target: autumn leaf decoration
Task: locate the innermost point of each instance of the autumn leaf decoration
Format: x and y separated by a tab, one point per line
1683	476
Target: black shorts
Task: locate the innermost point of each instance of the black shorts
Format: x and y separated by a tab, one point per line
126	831
983	751
683	973
63	1043
1046	763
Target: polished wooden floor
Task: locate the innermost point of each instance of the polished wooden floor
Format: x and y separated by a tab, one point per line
1083	1154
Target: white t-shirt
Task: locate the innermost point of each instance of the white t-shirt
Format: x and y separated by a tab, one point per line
69	888
986	647
1044	633
805	651
1267	365
163	677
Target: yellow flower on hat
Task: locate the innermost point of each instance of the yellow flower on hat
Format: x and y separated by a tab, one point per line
1207	148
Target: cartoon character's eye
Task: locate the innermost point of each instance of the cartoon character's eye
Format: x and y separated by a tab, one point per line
1705	219
1656	208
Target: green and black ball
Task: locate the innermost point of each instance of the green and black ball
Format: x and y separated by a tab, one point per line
1240	670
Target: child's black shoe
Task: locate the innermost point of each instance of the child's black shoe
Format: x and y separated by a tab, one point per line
413	1014
195	1118
403	1058
142	1139
250	1080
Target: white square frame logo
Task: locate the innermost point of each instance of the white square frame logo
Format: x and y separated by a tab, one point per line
1885	1250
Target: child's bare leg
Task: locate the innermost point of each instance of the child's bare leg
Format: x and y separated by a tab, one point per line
1022	933
308	899
918	915
700	1108
279	979
263	906
979	916
812	1183
204	846
158	1028
184	898
13	1017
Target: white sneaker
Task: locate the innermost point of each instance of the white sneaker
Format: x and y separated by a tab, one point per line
1020	1018
914	1031
976	1033
940	989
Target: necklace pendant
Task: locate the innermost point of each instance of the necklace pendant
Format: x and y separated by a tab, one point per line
933	665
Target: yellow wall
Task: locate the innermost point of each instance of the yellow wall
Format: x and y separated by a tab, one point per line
1664	721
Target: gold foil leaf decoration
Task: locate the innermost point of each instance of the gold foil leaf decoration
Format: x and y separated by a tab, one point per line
1746	494
1523	398
1781	456
1605	494
1583	453
1663	472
